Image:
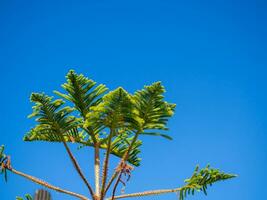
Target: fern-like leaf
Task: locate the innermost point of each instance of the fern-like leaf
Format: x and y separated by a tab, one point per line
27	197
54	122
201	179
81	92
115	111
3	162
153	110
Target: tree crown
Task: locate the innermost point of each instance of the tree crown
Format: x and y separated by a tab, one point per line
87	114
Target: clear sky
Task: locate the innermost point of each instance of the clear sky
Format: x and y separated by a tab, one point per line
210	55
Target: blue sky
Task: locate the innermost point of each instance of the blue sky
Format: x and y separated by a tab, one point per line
210	55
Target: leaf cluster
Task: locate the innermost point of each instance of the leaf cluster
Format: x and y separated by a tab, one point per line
90	113
54	122
201	179
3	162
27	197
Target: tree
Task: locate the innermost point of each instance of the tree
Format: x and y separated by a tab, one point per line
111	122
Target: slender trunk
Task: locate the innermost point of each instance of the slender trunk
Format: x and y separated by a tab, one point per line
97	171
47	185
78	169
146	193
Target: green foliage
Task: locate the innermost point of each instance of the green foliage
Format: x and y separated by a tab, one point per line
201	179
54	121
27	197
115	111
153	110
3	162
145	113
81	93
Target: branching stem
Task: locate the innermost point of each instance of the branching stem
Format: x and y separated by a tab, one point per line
47	185
146	193
115	186
124	158
78	169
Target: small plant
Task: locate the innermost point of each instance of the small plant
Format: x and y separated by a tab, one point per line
27	197
112	124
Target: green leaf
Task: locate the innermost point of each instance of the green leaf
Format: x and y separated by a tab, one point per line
3	162
81	92
72	136
5	175
157	134
2	148
54	122
201	179
152	108
27	197
116	110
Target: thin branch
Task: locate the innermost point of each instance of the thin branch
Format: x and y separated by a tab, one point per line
146	193
78	169
113	177
115	187
47	185
124	158
105	166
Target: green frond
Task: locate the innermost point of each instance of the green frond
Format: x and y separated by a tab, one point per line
201	179
152	108
2	148
144	112
158	134
81	92
3	162
27	197
72	136
53	121
116	110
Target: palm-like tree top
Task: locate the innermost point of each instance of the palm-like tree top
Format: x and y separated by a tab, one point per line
93	111
88	114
